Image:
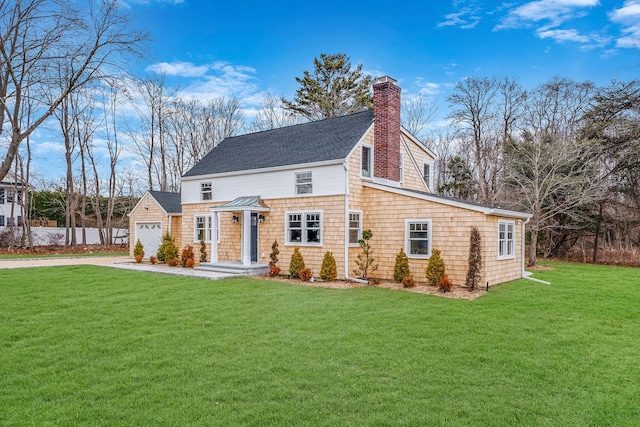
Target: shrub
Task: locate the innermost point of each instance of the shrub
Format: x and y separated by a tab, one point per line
187	254
435	268
296	264
138	258
168	249
190	263
153	259
328	270
203	251
173	262
274	254
444	284
401	269
274	270
365	261
475	259
305	274
138	250
408	282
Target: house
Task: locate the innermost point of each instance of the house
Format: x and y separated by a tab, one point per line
11	209
317	186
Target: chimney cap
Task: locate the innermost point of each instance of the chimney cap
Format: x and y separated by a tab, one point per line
385	79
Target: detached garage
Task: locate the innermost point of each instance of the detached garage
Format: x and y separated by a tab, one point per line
157	213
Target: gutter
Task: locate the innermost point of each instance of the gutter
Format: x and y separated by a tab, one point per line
346	219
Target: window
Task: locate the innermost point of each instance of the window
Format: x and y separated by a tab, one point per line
426	174
202	228
506	239
1	196
355	227
19	221
401	167
304	228
304	184
1	220
366	169
418	238
206	191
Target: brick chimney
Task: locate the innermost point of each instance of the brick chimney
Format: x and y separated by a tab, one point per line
386	129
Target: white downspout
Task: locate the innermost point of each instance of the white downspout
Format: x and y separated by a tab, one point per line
346	219
524	273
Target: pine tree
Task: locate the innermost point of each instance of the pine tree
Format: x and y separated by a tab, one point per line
435	268
401	269
332	90
365	261
297	263
328	270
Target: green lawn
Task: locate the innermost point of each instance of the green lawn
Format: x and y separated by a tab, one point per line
104	347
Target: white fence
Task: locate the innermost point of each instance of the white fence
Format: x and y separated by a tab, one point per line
43	236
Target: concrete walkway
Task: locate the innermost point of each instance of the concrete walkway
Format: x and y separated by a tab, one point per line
114	262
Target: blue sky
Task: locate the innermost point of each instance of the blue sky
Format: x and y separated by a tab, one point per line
243	48
210	48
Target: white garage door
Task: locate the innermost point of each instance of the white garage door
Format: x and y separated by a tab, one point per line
150	235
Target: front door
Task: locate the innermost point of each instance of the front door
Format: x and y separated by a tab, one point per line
254	237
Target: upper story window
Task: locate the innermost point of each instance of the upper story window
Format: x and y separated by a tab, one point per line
506	239
366	169
206	191
355	227
418	238
1	196
1	220
426	174
304	183
401	167
304	228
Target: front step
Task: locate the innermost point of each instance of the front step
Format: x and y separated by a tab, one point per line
235	268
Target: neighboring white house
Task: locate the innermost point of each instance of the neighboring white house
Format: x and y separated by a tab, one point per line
11	210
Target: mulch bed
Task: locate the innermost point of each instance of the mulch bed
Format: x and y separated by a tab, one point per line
457	292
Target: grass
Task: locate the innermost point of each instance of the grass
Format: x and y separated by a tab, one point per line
86	345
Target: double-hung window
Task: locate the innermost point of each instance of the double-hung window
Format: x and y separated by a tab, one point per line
1	220
304	183
355	227
418	238
426	174
366	169
202	228
206	191
304	228
506	239
1	196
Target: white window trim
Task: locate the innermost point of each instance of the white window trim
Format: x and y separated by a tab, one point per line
401	168
207	228
507	255
407	245
210	192
370	147
303	220
296	183
359	226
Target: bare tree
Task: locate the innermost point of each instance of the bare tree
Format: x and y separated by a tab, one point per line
272	115
548	173
417	113
35	36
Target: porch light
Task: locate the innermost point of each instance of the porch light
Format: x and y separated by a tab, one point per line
261	218
234	219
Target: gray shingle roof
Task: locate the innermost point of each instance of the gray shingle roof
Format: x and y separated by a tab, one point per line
170	202
323	140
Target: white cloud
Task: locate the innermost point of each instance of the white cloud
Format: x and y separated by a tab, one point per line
180	69
465	18
563	36
553	12
628	17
